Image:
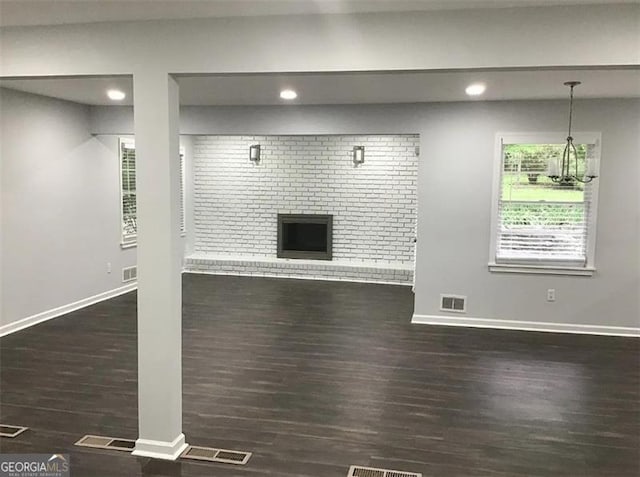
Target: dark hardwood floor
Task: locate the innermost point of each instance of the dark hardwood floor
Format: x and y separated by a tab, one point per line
315	376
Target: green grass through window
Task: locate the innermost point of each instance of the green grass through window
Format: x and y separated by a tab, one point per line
517	187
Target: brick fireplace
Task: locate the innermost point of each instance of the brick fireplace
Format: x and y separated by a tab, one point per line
237	203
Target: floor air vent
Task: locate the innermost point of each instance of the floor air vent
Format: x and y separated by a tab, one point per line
216	455
129	274
357	471
101	442
11	431
455	303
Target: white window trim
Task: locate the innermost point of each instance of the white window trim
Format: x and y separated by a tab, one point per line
504	138
131	241
541	269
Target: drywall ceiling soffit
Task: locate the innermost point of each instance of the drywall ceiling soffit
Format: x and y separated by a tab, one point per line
59	12
351	88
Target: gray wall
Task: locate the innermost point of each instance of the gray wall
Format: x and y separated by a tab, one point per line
454	203
454	196
60	207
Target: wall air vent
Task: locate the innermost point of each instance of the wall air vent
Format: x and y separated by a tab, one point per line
455	303
357	471
129	274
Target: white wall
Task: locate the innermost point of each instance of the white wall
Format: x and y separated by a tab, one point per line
186	144
373	205
454	236
454	196
60	207
453	216
490	38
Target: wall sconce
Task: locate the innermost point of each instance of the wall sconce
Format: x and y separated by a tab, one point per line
254	153
358	155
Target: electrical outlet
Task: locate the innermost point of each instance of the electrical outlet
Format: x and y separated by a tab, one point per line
108	267
551	294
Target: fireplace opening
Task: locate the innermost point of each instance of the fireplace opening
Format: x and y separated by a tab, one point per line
305	236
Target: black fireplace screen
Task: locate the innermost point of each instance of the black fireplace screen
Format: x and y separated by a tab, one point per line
305	236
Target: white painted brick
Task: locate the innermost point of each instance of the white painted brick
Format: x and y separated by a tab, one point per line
374	205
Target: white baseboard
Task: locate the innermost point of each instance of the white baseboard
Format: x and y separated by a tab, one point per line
160	449
297	277
525	325
64	309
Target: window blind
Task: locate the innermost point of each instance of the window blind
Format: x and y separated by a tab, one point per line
128	191
129	200
539	221
182	191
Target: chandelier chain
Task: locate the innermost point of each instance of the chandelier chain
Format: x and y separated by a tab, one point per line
571	108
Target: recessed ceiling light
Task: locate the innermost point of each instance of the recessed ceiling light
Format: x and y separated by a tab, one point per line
288	94
475	89
116	95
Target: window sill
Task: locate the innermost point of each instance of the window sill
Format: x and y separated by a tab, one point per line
541	269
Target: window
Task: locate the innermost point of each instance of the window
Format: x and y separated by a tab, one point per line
539	226
128	182
128	192
183	227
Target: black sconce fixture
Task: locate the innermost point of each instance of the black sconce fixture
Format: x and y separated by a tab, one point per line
358	155
254	153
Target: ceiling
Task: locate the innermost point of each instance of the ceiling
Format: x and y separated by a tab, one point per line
352	88
58	12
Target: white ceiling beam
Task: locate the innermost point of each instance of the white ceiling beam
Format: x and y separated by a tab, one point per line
461	39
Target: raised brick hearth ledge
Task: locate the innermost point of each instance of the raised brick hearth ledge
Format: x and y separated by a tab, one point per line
357	271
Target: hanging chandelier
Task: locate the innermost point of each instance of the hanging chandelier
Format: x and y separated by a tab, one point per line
565	171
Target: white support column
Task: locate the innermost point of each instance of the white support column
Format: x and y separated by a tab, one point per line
156	114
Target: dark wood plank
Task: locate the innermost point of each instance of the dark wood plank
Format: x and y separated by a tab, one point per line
314	376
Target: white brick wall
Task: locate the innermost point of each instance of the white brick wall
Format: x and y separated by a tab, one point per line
373	205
